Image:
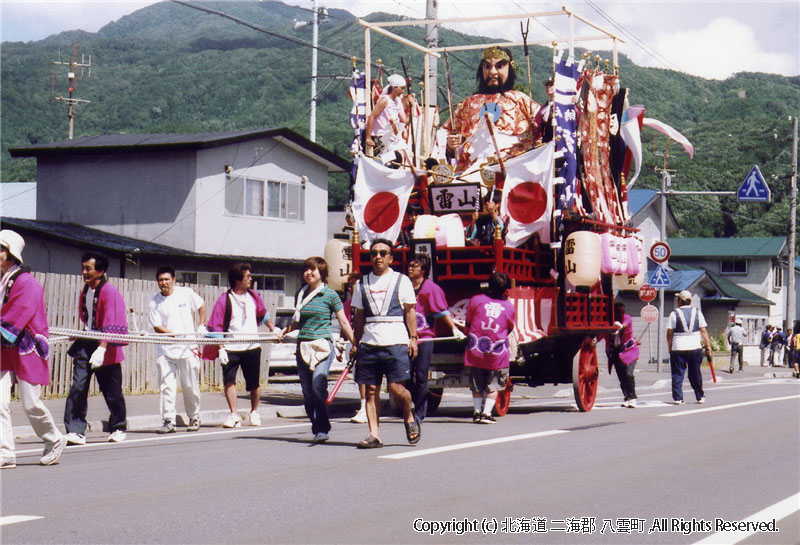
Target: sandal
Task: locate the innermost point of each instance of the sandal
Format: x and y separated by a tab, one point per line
370	442
413	431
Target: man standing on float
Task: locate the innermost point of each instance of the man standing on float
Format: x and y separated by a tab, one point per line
511	111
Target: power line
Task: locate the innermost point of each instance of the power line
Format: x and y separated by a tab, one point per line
635	39
280	35
718	210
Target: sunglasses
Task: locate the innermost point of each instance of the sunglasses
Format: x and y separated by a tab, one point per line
376	253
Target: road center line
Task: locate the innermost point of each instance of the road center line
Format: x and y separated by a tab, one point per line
778	511
731	406
178	436
472	444
13	519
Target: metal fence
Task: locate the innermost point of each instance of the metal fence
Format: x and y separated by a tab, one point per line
139	372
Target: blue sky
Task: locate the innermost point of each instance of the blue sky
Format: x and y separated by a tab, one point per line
709	39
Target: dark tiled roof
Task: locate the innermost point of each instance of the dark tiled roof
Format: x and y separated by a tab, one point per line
171	142
72	233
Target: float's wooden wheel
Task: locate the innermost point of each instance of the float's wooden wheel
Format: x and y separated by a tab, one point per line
434	398
503	400
585	375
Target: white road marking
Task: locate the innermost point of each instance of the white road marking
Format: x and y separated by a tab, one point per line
472	444
778	511
169	436
618	398
730	406
13	519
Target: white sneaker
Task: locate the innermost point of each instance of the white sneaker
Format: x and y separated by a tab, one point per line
255	418
53	452
117	436
233	421
360	417
702	400
76	439
632	403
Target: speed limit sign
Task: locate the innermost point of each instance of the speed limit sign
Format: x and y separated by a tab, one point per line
660	252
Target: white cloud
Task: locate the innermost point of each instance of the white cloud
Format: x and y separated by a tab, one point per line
718	50
26	20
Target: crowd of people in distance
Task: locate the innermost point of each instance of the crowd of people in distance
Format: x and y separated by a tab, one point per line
779	349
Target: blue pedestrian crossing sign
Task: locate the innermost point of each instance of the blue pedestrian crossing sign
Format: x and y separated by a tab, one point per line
754	188
659	279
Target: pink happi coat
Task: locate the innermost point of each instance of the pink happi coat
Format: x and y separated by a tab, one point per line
25	335
489	321
109	317
216	322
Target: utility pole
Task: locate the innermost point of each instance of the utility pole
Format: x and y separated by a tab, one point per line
666	182
72	76
320	15
312	129
790	303
431	41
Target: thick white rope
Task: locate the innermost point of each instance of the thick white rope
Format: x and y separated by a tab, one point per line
63	335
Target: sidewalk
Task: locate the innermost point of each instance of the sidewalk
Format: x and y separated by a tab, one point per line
285	399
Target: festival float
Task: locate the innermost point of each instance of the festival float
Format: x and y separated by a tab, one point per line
567	240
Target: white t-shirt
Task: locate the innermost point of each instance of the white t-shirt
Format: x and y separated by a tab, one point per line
382	124
243	320
689	340
89	302
175	313
385	333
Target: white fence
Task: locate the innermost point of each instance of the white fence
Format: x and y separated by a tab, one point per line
139	373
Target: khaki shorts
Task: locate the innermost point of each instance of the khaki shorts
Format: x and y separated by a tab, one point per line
487	380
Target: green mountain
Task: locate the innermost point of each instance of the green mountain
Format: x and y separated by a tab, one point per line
170	68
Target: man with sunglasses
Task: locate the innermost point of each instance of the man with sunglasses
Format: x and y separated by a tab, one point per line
512	113
385	328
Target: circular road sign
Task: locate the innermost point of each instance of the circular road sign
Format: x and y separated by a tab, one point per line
647	293
649	313
660	252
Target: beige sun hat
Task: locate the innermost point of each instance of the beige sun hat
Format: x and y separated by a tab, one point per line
13	242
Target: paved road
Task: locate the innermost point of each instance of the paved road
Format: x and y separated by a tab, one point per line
545	473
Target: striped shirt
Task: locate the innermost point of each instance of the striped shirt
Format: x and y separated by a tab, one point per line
315	316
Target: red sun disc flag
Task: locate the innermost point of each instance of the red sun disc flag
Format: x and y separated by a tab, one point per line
528	195
380	198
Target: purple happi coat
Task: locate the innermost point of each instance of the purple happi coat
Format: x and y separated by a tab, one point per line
109	317
489	322
221	316
25	335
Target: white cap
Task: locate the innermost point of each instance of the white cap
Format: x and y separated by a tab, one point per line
396	80
13	242
738	321
685	295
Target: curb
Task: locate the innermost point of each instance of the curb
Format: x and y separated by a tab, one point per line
151	422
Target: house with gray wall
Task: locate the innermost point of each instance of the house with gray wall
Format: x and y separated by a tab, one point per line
203	198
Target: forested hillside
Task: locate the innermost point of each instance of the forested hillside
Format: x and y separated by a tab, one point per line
168	68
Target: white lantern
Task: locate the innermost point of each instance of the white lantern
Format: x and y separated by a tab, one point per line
337	252
582	258
450	231
637	262
425	227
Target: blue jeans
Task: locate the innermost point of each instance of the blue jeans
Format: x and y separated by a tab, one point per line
679	361
109	379
315	391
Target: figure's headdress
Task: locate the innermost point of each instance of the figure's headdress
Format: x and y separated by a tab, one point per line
495	52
